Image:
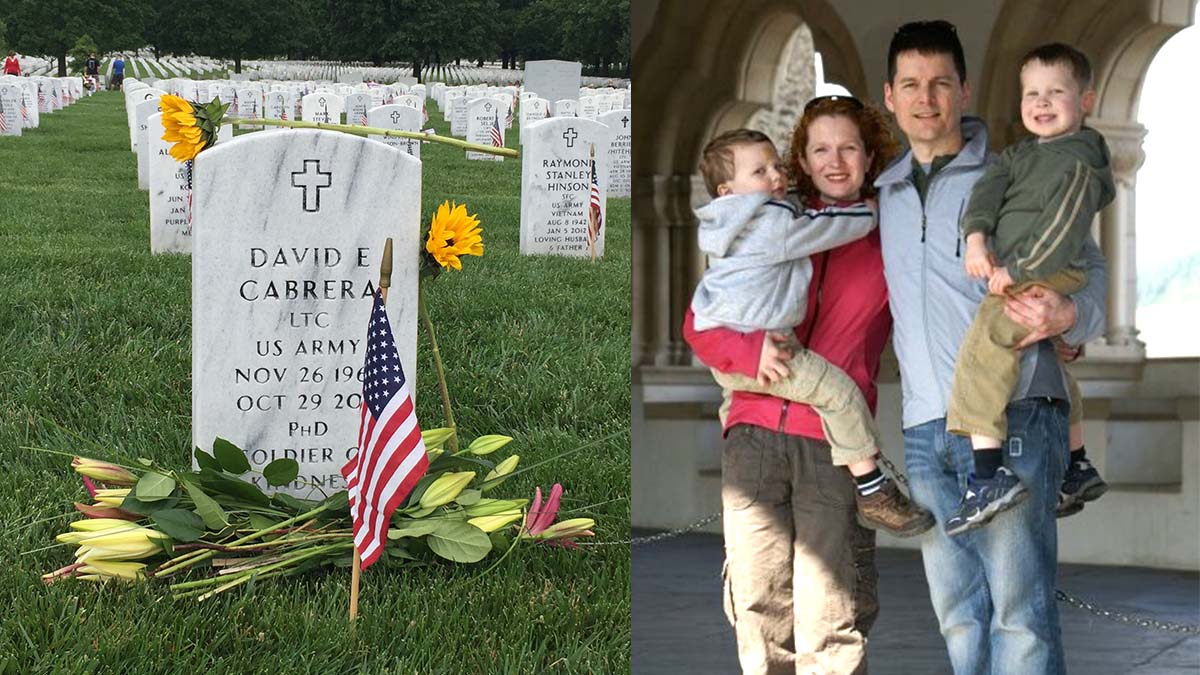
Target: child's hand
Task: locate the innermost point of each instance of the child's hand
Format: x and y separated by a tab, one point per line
979	261
772	363
1066	352
1000	281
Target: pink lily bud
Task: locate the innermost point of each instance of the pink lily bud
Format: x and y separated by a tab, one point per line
104	472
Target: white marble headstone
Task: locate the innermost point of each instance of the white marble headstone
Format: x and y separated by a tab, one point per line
278	105
483	121
141	120
532	110
322	107
401	118
132	99
10	109
30	114
557	171
171	191
566	108
357	105
618	151
289	231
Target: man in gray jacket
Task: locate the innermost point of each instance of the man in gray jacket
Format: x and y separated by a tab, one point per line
992	589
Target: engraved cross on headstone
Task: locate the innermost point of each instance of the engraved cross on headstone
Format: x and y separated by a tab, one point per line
395	117
304	180
625	121
570	134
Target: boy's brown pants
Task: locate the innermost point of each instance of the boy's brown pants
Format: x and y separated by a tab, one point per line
988	367
799	577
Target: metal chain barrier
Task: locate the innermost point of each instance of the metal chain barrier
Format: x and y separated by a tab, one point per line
1062	596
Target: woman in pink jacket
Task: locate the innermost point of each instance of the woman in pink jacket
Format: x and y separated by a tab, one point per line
799	571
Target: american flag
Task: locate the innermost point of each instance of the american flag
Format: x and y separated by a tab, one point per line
3	122
391	456
508	117
595	219
497	139
364	118
24	111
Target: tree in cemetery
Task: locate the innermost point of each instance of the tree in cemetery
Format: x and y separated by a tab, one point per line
3	41
85	46
225	29
52	27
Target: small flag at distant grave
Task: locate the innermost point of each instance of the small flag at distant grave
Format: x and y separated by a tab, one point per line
497	139
508	117
391	455
595	217
3	122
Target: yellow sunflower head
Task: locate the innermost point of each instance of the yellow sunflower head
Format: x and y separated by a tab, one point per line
190	127
453	233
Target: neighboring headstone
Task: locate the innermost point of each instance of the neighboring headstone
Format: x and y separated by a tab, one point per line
619	151
484	127
141	117
171	192
357	105
289	234
322	107
458	117
401	118
29	108
132	99
10	109
557	173
249	104
532	110
553	80
448	107
566	107
587	107
278	105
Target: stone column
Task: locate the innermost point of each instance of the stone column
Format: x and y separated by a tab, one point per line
663	267
1118	240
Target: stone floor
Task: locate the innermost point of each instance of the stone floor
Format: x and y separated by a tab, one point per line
678	625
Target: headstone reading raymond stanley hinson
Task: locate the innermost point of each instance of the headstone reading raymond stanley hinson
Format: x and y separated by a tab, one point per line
289	232
556	180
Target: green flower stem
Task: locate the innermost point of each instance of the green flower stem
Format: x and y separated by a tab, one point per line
293	557
441	373
196	556
374	131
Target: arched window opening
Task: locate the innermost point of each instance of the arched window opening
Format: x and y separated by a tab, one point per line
1168	228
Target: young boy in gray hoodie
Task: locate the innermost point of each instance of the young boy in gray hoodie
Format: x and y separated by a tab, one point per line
1036	204
759	248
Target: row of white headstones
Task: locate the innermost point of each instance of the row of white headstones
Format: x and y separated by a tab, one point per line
287	229
550	197
23	100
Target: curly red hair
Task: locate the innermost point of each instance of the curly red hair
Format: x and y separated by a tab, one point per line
876	135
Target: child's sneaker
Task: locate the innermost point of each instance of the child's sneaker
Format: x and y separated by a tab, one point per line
889	510
984	499
1081	483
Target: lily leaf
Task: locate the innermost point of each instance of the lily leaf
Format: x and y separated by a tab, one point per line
153	486
399	529
468	497
281	472
209	510
460	542
134	505
206	461
233	487
291	503
179	524
230	456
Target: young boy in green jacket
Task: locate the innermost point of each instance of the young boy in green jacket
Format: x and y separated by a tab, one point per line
1037	204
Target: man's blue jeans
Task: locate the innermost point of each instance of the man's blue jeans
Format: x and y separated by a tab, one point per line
993	588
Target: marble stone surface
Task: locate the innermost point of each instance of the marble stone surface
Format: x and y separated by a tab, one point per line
532	110
556	175
458	114
321	107
10	109
357	105
552	79
278	105
401	118
588	107
249	105
132	99
141	114
482	114
32	118
566	107
289	231
503	102
618	151
172	193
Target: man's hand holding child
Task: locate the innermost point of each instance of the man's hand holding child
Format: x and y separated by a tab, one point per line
772	363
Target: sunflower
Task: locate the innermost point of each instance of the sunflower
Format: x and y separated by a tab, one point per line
453	233
190	127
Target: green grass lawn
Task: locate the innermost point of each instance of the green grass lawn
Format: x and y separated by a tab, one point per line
95	358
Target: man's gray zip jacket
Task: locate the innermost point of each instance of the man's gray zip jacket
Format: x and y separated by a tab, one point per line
932	299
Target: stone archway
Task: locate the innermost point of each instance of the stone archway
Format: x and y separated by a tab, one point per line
702	67
1121	40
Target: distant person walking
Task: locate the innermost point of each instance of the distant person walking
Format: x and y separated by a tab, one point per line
91	71
118	76
11	65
